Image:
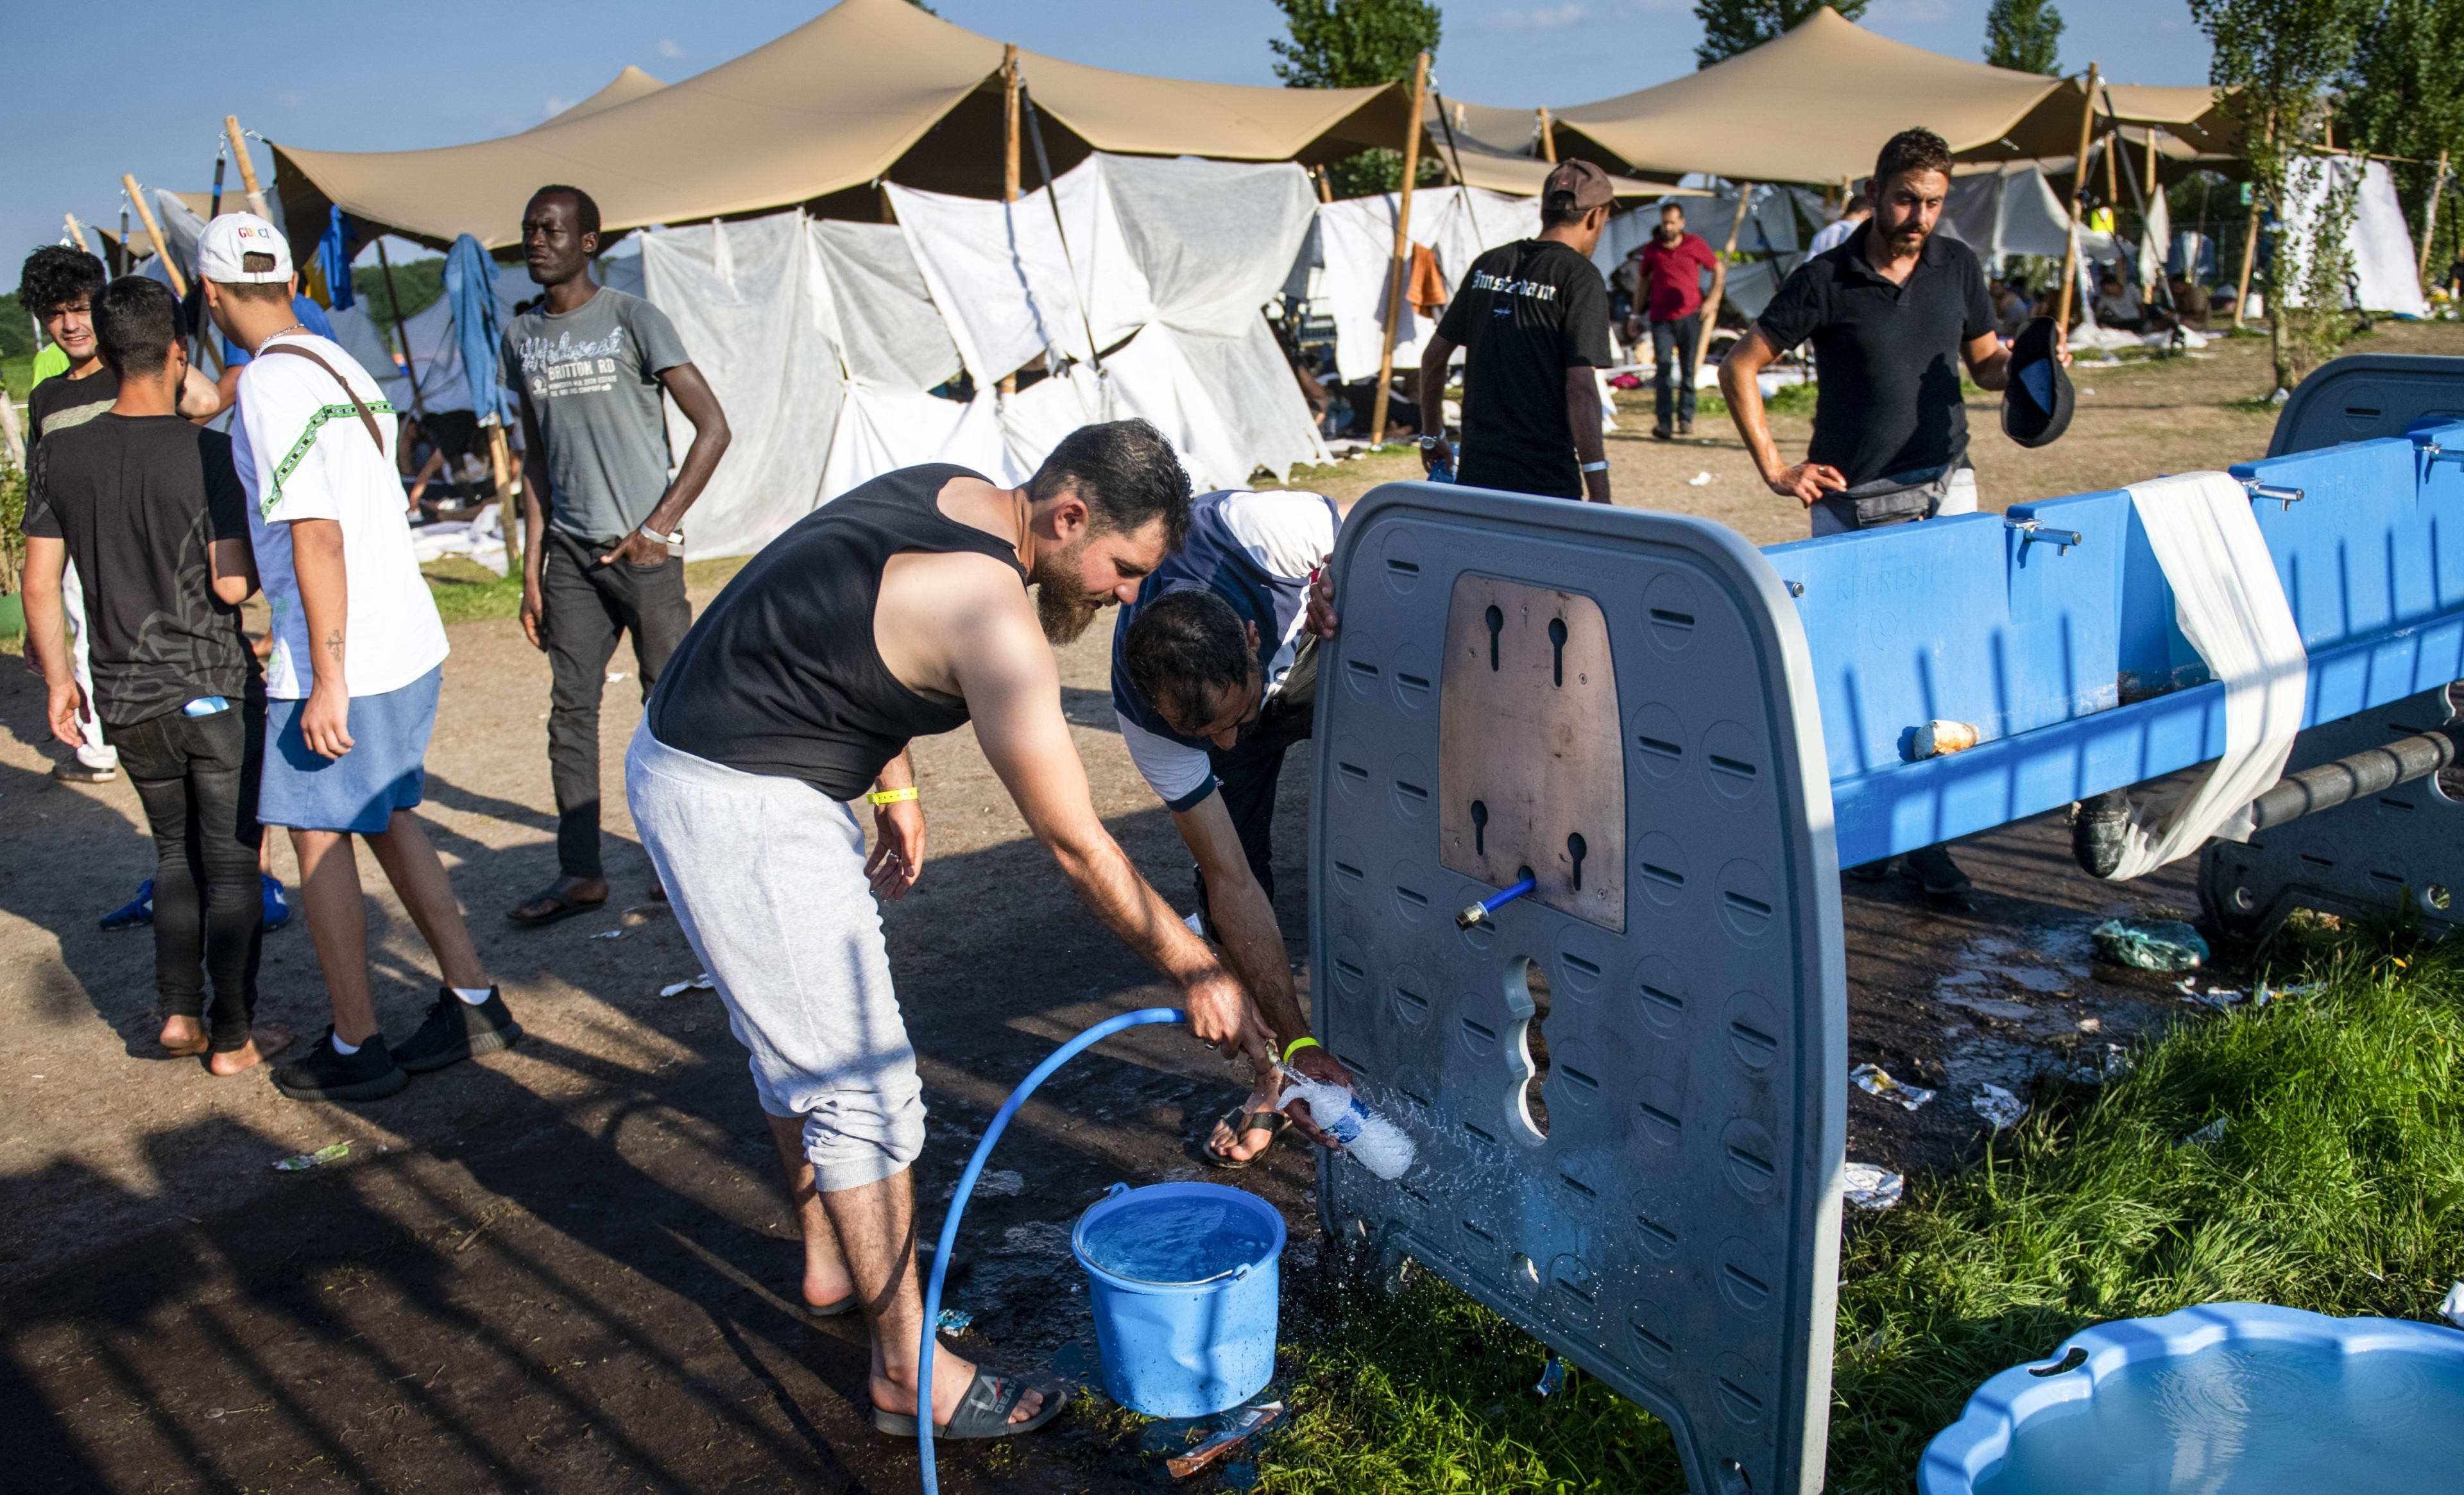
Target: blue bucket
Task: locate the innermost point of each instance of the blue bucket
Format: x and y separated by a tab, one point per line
1184	1348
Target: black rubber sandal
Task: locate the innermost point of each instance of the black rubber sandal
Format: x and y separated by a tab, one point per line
985	1410
566	909
1242	1123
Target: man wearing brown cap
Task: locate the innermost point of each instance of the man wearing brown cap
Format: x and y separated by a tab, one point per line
1532	320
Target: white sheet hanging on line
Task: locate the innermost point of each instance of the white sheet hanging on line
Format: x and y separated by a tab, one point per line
2229	603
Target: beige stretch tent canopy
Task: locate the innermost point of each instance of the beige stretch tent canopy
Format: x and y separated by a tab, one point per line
867	90
622	89
1815	104
1499	150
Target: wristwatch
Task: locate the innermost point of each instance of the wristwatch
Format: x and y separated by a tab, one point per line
674	542
1428	442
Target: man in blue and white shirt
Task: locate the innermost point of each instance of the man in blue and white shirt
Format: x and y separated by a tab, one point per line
1213	677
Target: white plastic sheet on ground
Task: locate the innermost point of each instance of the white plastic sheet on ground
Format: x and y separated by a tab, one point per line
2382	245
480	539
2229	603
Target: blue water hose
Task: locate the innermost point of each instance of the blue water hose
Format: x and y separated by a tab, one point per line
967	1186
1489	904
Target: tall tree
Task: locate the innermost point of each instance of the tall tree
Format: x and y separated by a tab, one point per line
1353	43
2025	34
1734	25
2278	56
1358	44
2401	97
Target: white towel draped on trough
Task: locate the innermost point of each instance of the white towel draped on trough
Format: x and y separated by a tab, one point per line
2229	603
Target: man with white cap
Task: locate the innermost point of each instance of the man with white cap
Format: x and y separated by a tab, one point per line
354	672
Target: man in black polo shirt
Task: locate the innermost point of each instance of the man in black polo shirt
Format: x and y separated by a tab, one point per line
1532	318
1892	311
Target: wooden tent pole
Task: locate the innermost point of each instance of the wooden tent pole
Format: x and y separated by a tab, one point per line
2430	214
393	298
1712	302
247	167
1548	137
1009	153
1325	188
2250	238
2079	190
1396	277
77	231
154	231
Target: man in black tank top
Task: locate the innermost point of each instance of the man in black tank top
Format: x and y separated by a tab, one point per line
896	611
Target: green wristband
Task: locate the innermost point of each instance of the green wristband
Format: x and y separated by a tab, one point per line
1297	1045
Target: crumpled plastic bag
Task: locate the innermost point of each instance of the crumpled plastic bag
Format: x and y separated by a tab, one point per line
1874	1080
1998	1107
2161	945
2452	1310
1870	1186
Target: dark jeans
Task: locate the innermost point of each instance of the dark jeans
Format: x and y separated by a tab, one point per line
1249	774
587	607
1686	333
196	777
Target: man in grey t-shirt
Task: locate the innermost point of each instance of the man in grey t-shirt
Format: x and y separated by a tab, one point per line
602	549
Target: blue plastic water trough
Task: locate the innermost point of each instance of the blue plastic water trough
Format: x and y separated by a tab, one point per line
2237	1398
1187	1332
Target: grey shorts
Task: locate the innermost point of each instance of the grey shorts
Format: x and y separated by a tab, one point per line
766	875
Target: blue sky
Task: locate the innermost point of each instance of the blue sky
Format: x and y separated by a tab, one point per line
364	78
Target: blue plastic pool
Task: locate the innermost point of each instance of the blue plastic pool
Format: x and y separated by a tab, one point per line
2230	1398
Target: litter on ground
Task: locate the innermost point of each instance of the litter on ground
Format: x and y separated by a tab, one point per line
699	983
301	1162
2160	945
1552	1378
1998	1107
613	934
953	1321
1874	1080
2452	1310
1246	1424
1870	1186
1698	480
2213	1131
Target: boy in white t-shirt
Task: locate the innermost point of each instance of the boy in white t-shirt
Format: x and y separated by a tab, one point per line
353	677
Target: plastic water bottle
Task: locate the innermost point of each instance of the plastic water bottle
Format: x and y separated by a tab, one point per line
1382	1147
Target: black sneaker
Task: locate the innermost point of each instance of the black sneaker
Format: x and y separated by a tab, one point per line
1662	434
1932	869
456	1029
325	1075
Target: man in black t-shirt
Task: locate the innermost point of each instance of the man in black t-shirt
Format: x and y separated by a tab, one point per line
1532	320
151	509
1892	311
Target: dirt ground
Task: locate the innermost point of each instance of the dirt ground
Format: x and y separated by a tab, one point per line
570	1267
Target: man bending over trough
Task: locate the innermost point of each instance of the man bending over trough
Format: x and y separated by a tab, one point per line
899	610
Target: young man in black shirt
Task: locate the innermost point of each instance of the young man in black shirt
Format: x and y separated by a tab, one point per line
1892	312
151	509
1532	320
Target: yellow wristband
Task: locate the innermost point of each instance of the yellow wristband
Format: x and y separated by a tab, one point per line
1299	1043
892	796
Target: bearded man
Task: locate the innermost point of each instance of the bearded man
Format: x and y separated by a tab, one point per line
897	611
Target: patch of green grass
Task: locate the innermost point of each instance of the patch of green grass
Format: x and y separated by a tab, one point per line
1786	400
468	592
2337	1185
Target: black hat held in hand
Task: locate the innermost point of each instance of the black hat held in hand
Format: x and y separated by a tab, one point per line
2036	402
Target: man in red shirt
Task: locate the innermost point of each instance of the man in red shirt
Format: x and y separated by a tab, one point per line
1672	270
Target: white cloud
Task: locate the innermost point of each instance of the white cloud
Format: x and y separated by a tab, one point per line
1540	17
557	106
669	49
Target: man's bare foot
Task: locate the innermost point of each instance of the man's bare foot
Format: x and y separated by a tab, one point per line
952	1376
1254	1141
827	1283
182	1038
265	1041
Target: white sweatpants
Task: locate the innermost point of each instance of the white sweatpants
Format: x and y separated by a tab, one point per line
94	752
766	875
